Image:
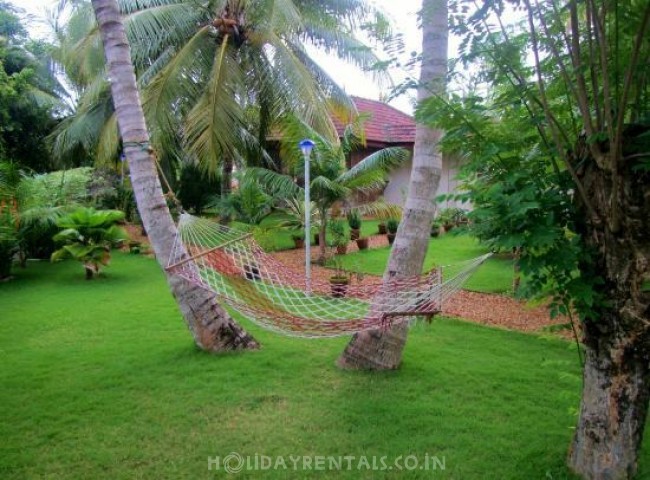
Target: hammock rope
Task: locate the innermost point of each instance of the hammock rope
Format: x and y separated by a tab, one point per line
229	263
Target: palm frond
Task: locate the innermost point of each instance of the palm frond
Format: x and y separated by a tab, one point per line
108	144
379	209
172	83
383	161
327	191
278	184
213	126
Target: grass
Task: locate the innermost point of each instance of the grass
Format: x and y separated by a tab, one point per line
494	276
280	238
99	379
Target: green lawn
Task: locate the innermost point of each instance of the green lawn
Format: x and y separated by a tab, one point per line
280	238
495	276
100	379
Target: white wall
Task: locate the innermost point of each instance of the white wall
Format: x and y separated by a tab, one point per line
396	190
398	181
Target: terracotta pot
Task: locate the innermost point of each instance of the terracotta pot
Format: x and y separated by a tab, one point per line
391	237
341	249
362	243
382	229
299	242
355	233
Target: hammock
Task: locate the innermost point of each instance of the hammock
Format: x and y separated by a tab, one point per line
231	264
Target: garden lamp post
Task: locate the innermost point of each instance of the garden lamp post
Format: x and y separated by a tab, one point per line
306	147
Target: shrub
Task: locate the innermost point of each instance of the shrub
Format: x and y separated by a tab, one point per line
8	241
451	217
337	231
197	190
87	236
391	225
354	219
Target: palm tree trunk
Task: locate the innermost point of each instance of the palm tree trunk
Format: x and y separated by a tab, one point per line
322	232
382	349
226	182
210	324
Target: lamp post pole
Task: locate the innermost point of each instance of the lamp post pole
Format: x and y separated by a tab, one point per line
306	147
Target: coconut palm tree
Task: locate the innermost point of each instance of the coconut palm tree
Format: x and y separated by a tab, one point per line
206	66
210	324
380	350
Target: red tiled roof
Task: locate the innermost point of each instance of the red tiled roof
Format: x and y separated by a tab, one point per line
384	124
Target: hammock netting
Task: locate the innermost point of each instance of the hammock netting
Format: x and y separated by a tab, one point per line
229	263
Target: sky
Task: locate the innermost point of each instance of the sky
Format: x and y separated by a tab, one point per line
403	13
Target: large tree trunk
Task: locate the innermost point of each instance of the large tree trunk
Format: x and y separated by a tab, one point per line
210	324
382	349
617	335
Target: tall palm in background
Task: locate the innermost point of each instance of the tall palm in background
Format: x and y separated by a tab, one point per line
216	77
331	181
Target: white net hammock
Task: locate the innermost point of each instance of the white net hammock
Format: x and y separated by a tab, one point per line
229	263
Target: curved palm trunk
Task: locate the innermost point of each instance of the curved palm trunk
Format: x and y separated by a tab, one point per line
382	349
226	182
210	324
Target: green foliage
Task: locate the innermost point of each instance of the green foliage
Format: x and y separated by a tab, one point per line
392	224
30	95
354	219
337	232
87	236
294	216
110	191
8	238
197	188
248	203
452	216
42	199
198	79
559	90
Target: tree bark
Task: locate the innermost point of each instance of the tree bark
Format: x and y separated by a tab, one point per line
614	407
382	349
616	387
322	236
211	326
226	183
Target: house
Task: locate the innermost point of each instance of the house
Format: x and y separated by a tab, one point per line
386	126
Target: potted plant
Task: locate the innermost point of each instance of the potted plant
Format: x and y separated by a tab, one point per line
294	221
354	221
435	229
391	226
362	243
339	281
452	217
381	228
339	237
